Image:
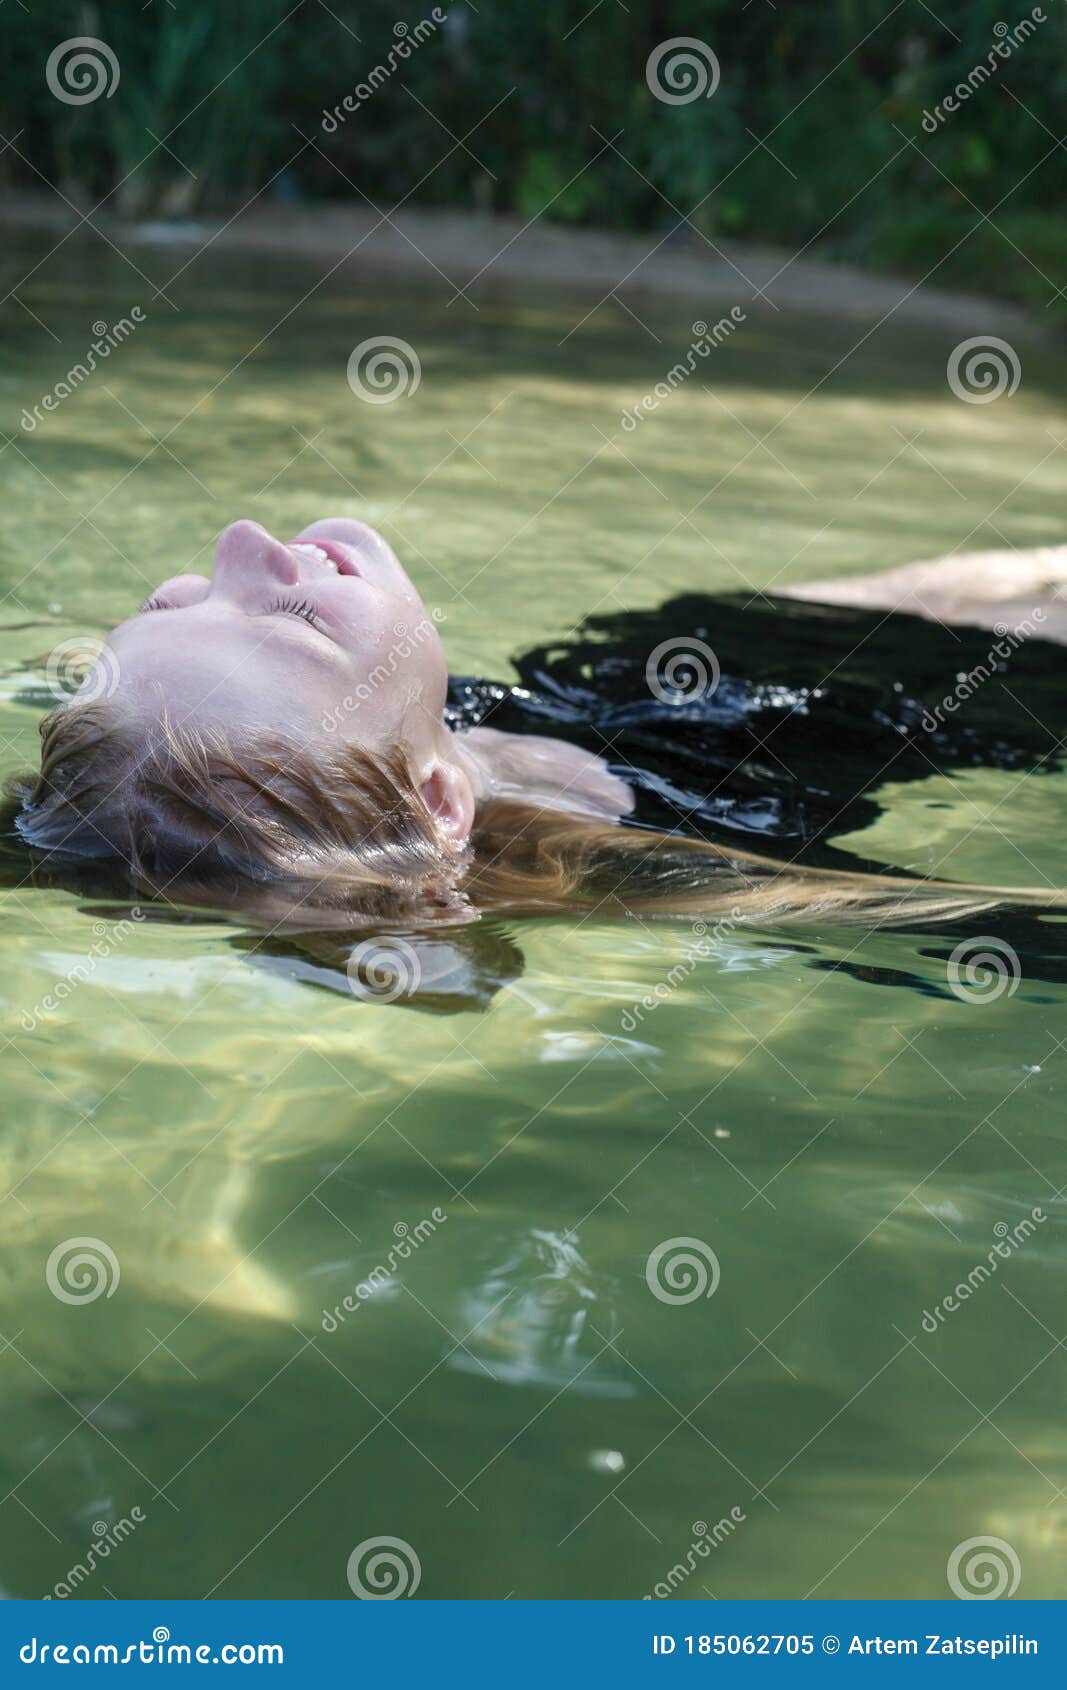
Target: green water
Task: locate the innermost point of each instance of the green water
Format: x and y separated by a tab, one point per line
513	1401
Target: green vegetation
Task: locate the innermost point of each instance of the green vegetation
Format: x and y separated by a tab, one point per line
553	114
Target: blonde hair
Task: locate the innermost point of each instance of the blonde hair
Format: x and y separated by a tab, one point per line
199	816
342	837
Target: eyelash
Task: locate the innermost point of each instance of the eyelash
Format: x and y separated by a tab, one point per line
296	607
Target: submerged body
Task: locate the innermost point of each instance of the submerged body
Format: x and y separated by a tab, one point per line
281	739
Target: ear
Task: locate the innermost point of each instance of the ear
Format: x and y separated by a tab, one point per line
449	797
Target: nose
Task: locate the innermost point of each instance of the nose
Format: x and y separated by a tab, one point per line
249	562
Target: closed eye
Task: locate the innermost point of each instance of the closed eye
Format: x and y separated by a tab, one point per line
156	603
295	607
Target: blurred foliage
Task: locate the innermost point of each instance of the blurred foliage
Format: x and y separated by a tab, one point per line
814	134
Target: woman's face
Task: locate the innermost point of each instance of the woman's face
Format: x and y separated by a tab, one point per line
318	636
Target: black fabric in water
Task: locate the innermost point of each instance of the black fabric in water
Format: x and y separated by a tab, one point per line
814	708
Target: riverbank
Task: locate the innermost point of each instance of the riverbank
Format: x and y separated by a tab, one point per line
482	256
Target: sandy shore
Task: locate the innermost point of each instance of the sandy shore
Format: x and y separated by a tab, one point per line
487	255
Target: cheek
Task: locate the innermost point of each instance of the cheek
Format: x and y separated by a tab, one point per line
182	590
423	672
392	679
395	641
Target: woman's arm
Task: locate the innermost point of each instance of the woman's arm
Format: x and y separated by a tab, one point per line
971	589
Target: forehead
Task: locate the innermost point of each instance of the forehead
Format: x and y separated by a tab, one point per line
212	663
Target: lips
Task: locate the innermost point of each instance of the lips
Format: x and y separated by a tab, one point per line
329	555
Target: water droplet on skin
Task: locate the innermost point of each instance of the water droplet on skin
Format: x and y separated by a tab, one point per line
607	1461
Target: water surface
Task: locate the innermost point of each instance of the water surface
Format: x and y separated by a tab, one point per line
513	1401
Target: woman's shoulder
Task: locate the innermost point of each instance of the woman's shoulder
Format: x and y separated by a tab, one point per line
553	774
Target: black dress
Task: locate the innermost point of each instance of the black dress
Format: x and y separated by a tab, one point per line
815	706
